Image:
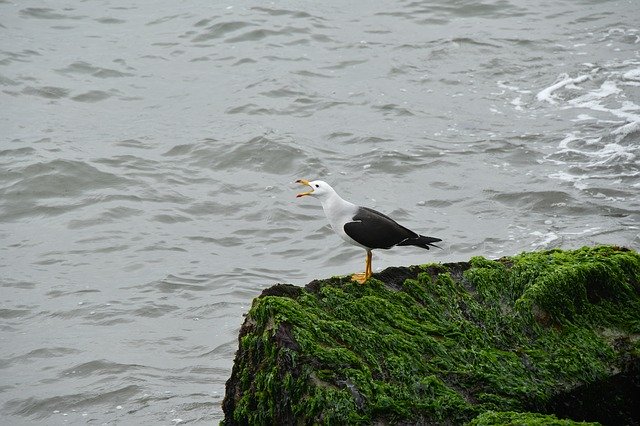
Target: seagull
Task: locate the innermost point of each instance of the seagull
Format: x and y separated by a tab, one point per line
362	226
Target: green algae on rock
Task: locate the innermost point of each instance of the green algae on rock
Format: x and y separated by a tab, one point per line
510	418
440	343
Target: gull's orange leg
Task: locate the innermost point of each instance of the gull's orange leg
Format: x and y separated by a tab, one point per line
361	278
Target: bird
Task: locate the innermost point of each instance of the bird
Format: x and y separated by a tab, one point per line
362	226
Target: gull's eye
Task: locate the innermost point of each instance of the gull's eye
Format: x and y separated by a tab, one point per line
317	186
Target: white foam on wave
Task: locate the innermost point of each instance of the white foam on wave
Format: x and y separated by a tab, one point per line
565	81
570	137
633	75
609	153
609	98
543	240
607	89
517	103
550	237
584	117
627	129
598	153
627	111
564	176
504	85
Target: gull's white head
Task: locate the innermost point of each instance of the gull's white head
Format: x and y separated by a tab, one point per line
319	189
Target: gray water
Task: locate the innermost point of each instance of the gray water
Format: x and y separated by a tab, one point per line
149	150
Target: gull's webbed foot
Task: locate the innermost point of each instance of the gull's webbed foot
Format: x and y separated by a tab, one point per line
360	278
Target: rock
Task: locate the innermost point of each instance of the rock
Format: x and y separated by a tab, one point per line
493	418
540	338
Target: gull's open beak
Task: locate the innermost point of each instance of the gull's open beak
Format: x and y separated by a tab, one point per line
303	182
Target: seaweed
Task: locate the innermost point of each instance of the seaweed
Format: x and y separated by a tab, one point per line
439	343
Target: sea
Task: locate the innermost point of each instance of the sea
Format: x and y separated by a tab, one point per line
149	152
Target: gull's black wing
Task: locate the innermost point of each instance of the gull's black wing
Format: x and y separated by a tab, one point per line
375	230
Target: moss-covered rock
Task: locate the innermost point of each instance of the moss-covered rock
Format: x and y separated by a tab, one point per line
445	344
511	418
